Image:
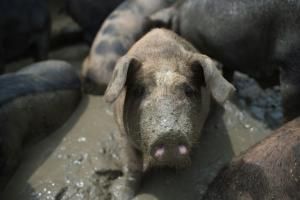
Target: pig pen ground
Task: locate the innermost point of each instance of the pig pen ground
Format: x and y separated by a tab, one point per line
80	160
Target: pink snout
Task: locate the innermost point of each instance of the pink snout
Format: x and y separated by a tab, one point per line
170	152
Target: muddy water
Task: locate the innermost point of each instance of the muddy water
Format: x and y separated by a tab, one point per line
80	160
67	163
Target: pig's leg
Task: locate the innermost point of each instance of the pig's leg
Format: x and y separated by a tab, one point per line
290	86
125	187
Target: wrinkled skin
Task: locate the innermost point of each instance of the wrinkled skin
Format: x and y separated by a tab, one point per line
255	37
90	14
161	92
124	26
25	29
34	102
269	170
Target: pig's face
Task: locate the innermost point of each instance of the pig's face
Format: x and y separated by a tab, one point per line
166	104
165	110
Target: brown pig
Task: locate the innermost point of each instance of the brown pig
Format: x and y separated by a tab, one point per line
161	91
124	26
268	171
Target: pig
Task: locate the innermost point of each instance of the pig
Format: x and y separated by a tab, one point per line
33	103
259	38
90	14
269	170
120	30
161	92
25	27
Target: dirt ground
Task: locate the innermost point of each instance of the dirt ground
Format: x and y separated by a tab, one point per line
81	159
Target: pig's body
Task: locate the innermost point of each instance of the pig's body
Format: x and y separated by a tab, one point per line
33	103
25	27
125	25
90	14
161	90
269	170
255	37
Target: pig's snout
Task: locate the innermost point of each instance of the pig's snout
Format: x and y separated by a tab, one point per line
160	151
170	149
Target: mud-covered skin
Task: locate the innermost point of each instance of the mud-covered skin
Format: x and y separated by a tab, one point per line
161	92
25	29
125	25
90	14
270	170
33	103
255	37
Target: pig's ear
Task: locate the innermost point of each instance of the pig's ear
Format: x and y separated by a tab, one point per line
119	77
164	18
219	87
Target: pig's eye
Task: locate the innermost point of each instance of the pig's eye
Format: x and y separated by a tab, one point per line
139	91
189	91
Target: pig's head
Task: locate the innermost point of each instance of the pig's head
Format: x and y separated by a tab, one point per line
162	104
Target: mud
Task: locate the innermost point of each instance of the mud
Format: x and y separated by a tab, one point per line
80	160
262	104
72	161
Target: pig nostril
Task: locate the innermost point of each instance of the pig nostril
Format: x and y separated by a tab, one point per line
159	151
182	150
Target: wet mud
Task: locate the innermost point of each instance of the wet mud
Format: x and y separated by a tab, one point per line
81	159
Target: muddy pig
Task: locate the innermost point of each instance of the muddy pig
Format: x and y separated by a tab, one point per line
161	91
90	14
25	27
33	103
255	37
268	171
123	27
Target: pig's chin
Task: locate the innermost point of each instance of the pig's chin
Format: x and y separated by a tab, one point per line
150	162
